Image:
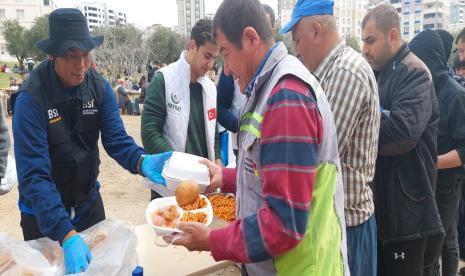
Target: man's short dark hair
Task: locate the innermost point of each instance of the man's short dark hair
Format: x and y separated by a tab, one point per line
460	36
201	33
268	10
386	17
233	16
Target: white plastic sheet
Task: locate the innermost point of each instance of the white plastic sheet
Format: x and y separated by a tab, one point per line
17	258
112	242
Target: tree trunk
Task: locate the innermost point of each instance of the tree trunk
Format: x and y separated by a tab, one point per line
20	61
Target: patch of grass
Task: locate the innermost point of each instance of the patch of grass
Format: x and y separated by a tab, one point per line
10	63
5	79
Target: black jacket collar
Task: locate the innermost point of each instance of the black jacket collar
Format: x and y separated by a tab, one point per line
392	64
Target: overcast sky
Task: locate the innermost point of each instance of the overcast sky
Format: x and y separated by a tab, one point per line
144	13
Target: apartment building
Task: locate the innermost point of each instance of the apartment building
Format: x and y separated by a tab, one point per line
100	14
25	11
285	8
418	15
189	12
348	14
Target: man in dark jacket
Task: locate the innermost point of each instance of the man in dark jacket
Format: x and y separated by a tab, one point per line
447	40
409	226
451	141
460	42
59	114
123	99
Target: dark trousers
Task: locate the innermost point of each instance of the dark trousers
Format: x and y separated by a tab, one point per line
154	195
409	258
361	248
461	219
447	199
8	105
126	106
94	215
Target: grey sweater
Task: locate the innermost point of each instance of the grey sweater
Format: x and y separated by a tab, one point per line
4	143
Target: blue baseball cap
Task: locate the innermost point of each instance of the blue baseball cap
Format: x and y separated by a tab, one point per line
305	8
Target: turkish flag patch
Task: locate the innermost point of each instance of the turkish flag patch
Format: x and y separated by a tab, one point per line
211	114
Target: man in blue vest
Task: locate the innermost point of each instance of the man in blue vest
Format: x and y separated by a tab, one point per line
59	113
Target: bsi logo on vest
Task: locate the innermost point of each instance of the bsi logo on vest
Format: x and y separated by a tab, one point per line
88	104
88	108
53	115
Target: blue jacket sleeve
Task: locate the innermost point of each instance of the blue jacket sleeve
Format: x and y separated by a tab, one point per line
118	144
34	169
224	100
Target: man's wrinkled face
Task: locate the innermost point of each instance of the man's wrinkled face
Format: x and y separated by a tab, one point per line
237	62
72	67
304	43
203	58
375	46
461	49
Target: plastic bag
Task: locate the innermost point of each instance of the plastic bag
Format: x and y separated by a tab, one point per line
11	179
52	251
112	243
17	258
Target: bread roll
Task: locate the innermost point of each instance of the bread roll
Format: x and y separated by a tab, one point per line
187	192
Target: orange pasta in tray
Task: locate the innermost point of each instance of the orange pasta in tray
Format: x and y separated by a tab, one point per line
197	204
224	206
194	217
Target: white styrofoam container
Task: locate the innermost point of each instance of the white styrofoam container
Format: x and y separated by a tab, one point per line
183	166
167	201
173	183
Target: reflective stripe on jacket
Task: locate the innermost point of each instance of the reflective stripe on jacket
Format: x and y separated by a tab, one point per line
322	251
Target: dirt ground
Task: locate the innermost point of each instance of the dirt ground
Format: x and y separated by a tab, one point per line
124	195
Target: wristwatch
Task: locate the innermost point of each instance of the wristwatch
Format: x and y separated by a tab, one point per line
139	164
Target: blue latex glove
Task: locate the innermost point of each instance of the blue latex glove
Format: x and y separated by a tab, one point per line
77	255
152	166
384	111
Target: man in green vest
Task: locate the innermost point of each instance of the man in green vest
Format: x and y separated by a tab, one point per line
180	107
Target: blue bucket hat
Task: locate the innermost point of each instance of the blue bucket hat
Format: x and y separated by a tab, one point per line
67	28
305	8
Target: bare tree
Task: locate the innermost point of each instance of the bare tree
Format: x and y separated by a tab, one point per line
121	53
